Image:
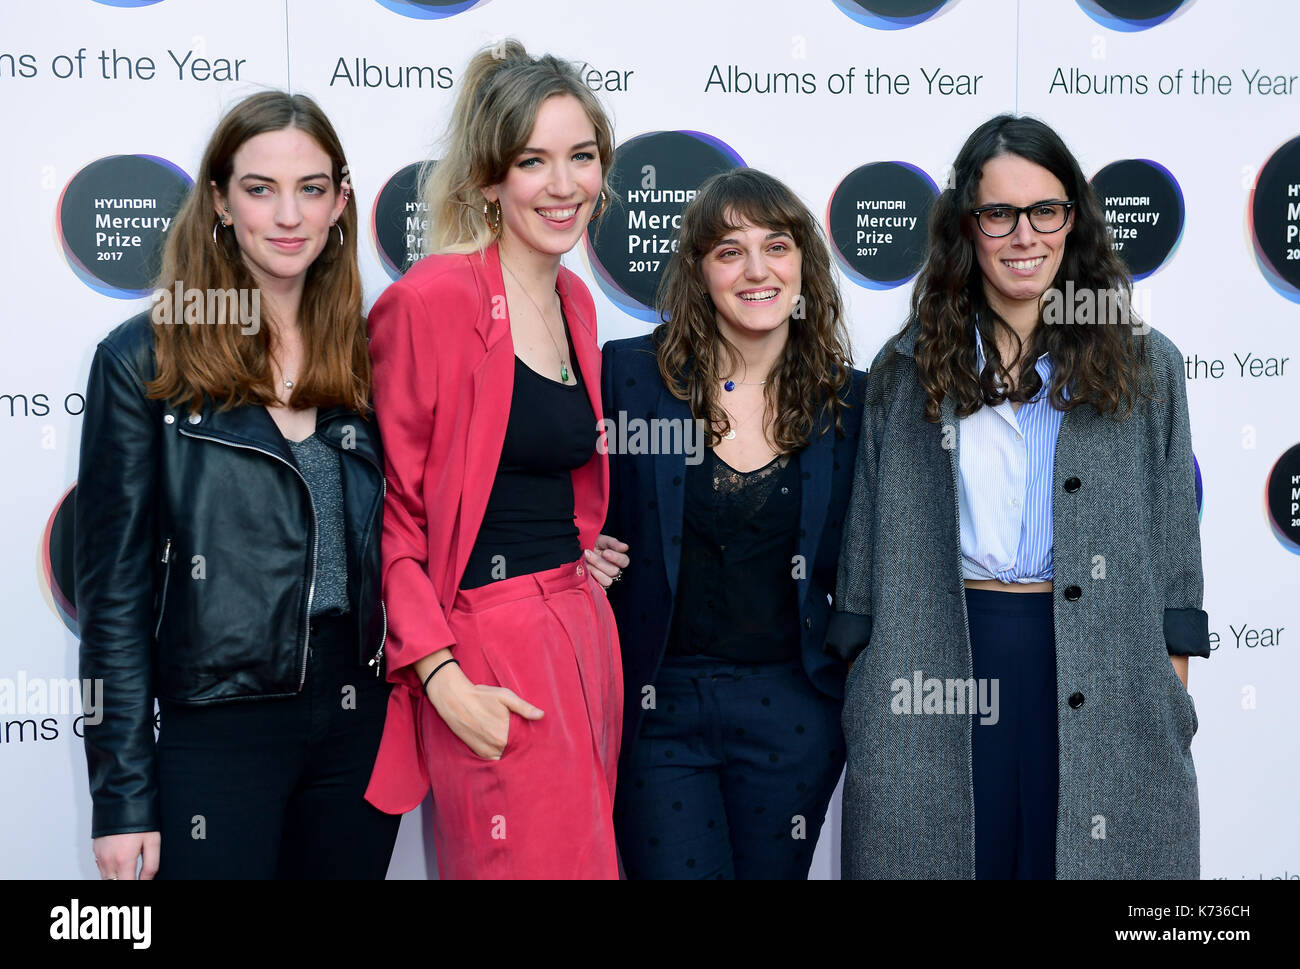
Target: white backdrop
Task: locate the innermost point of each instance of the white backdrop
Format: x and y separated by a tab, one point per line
1212	294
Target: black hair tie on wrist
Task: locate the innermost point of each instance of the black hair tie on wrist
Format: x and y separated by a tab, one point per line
435	671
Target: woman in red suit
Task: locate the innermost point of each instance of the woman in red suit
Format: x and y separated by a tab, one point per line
501	645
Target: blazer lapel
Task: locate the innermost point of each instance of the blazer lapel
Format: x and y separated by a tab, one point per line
670	484
815	463
591	481
493	389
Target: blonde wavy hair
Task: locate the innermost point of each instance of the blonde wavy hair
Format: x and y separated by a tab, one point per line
500	95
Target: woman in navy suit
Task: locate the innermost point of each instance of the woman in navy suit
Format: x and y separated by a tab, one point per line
732	429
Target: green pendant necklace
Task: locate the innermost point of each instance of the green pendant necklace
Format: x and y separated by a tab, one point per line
564	365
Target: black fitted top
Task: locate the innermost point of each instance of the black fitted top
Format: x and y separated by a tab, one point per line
529	524
736	593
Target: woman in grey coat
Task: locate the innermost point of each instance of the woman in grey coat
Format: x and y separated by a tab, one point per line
1020	582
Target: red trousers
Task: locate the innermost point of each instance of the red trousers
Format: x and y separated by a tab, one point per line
545	809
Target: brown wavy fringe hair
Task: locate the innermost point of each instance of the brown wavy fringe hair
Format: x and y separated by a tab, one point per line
694	355
1101	365
219	361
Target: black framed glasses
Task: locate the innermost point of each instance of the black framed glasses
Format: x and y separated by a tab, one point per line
996	221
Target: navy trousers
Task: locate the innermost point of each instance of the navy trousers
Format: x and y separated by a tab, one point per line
732	773
274	788
1014	759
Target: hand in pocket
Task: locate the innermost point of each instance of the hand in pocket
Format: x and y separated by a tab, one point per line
476	713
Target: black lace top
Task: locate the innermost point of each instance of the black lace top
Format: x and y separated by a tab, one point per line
736	592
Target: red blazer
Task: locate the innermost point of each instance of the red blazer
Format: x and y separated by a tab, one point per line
444	365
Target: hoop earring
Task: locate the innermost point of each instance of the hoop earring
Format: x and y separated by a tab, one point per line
599	210
220	223
340	228
494	226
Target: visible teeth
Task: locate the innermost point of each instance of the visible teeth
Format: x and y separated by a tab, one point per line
1024	263
559	214
756	297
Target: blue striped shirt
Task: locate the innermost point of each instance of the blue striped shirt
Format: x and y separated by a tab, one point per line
1005	460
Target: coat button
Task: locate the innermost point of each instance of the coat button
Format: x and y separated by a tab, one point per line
1073	594
1072	485
194	418
1075	701
807	623
169	418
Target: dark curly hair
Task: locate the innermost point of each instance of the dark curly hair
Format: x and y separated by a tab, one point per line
694	356
1100	365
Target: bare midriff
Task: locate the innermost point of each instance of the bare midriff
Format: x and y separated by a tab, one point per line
993	585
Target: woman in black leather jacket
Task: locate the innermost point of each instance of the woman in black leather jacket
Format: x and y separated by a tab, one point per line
227	530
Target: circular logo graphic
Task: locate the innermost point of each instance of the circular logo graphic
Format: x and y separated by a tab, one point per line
430	9
1130	15
128	3
877	220
112	219
1144	212
1282	498
890	14
654	175
55	561
1274	219
398	221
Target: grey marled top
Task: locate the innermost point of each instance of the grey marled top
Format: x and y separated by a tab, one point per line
319	464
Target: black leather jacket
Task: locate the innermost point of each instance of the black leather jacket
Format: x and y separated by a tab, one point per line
195	547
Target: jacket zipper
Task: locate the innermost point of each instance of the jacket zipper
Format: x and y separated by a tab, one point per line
311	586
376	660
167	575
965	619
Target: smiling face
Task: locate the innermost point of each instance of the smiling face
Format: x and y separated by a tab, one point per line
1019	267
553	185
753	276
282	199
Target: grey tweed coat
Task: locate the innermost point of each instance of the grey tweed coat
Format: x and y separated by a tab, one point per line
1127	593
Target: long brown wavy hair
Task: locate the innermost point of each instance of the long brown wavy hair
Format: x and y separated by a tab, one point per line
500	94
694	355
220	361
1101	365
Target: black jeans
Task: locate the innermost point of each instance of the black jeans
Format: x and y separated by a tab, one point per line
274	788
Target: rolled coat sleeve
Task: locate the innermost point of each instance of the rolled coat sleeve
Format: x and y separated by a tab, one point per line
1186	625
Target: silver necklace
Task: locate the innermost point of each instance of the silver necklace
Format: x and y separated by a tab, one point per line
564	365
731	431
